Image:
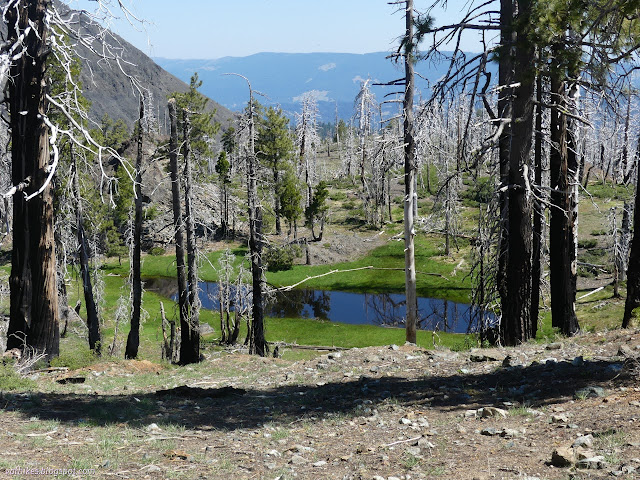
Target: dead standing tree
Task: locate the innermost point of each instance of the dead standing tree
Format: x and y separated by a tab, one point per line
257	343
190	337
133	339
178	225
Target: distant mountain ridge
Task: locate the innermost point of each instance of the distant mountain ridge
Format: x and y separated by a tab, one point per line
109	89
284	77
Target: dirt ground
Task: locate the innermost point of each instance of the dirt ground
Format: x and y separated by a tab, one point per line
374	413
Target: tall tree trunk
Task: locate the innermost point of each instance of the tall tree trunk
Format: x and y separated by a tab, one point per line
562	242
505	95
178	226
276	182
258	344
516	322
536	259
190	341
631	314
409	182
34	296
133	339
93	322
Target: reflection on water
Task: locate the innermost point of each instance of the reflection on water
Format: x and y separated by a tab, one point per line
385	309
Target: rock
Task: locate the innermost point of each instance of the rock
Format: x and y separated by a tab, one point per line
590	392
559	418
321	463
554	346
625	351
153	428
489	432
509	433
593	463
394	347
492	412
578	361
334	355
205	329
298	460
584	441
377	477
274	453
153	469
470	414
567	456
415	451
424	443
405	421
562	457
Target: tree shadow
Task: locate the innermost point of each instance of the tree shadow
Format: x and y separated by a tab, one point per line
536	385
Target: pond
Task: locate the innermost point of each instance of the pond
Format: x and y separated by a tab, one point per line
382	309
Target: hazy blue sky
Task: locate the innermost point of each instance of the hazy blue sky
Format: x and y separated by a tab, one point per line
219	28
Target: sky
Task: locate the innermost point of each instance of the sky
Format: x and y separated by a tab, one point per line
209	29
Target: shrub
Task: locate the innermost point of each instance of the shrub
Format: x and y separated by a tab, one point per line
590	243
10	380
75	359
281	258
157	251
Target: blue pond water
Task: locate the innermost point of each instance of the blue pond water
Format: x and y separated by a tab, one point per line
387	309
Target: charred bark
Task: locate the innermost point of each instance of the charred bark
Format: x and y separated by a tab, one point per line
190	337
34	296
133	339
178	225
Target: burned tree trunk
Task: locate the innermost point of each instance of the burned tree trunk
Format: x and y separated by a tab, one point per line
34	295
177	217
190	337
133	339
409	182
93	322
562	241
516	322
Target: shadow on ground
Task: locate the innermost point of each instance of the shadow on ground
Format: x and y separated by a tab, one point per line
534	385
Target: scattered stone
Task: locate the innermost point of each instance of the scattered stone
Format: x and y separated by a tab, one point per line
274	453
489	432
298	460
377	477
334	355
584	441
205	329
321	463
562	418
153	428
562	457
625	351
424	443
590	392
509	433
554	346
405	421
593	463
394	347
415	451
492	412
